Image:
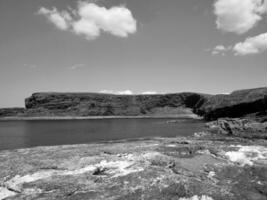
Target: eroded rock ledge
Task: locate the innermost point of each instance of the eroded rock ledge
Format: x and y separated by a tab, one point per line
203	168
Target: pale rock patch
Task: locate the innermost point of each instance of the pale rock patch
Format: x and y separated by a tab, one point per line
4	193
203	197
113	168
247	155
211	174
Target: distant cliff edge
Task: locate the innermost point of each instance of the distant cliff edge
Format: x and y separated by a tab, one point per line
251	102
94	104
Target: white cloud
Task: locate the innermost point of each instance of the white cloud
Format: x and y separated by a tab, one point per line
86	28
116	20
252	45
90	20
149	93
106	91
60	20
124	92
238	16
220	50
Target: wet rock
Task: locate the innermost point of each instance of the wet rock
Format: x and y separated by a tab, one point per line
238	127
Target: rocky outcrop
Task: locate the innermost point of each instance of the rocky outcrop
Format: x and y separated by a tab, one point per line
238	127
236	104
93	104
170	168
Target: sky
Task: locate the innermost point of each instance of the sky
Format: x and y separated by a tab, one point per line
131	46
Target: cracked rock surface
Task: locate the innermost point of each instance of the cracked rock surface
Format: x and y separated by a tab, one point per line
161	168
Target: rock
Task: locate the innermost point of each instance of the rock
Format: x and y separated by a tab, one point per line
5	112
151	169
251	103
200	134
238	127
237	104
93	104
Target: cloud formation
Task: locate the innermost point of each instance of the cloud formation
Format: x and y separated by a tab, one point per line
252	45
90	20
126	92
220	49
60	19
149	93
239	16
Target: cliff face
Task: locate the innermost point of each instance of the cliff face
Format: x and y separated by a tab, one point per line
6	112
93	104
237	104
251	102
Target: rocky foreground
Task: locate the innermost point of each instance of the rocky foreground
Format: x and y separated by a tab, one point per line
205	167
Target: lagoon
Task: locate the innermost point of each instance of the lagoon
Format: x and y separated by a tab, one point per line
25	134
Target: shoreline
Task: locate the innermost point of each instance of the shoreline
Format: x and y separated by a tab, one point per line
51	118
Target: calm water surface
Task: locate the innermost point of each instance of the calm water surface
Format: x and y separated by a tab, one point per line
23	134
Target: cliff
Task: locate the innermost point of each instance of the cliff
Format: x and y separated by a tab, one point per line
250	103
237	104
9	112
94	104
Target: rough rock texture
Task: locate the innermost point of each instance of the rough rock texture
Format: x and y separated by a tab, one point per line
239	127
93	104
177	168
5	112
236	104
250	103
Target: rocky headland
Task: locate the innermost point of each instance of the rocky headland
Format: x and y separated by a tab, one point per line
239	109
251	103
227	161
